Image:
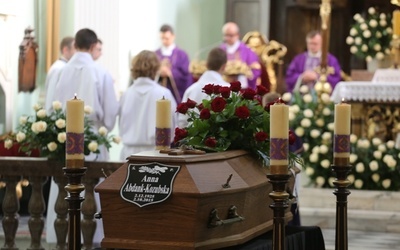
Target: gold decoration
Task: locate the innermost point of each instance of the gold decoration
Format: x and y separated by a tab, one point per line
237	67
324	12
197	68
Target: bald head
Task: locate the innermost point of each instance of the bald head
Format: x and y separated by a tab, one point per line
230	31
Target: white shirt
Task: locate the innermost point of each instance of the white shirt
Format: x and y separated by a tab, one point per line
51	80
195	91
167	51
137	114
230	49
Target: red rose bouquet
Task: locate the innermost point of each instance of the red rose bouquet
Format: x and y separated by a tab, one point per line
230	119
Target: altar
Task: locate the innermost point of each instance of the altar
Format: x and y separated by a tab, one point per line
375	105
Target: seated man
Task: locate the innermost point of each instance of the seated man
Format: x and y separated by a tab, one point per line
302	68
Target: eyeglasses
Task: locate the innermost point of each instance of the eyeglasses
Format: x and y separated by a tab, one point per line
230	35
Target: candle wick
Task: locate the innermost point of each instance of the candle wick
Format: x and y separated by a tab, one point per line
75	96
163	97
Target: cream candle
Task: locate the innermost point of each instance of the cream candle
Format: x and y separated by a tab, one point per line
341	144
163	123
396	23
75	133
279	138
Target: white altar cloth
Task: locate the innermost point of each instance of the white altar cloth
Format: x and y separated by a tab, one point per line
366	91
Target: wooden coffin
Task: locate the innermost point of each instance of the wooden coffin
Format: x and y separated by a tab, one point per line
200	211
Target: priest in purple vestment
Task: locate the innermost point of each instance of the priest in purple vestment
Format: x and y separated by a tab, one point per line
237	50
174	71
302	68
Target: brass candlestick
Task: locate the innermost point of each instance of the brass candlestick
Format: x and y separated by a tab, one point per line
280	203
74	188
341	183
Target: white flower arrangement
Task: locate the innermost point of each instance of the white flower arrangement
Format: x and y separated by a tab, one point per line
370	37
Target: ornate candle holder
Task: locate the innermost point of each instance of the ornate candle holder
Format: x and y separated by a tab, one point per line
74	188
395	44
341	183
279	178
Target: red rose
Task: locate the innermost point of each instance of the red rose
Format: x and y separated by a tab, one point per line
182	108
261	90
242	112
261	136
268	105
200	106
225	92
180	134
205	114
190	103
249	94
208	89
292	137
236	86
216	89
218	104
211	142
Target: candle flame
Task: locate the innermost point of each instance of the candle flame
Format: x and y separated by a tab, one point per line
75	96
343	101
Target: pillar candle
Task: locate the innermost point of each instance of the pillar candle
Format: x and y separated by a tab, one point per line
75	133
163	123
279	138
396	22
341	144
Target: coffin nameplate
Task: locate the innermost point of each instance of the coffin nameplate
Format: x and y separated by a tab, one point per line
147	184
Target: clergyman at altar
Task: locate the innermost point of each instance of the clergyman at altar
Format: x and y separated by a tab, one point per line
174	71
302	69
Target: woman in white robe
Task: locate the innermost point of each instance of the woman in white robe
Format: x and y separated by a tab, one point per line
137	114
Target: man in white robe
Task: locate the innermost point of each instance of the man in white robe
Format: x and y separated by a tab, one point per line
81	76
67	50
216	61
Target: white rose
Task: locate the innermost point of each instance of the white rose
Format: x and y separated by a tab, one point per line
308	113
380	56
392	163
292	116
325	163
313	158
34	128
326	111
382	16
20	136
364	48
315	133
373	23
358	184
320	181
36	107
376	141
60	123
41	126
52	146
23	120
389	30
323	149
87	109
366	144
360	20
304	89
377	155
349	40
386	183
377	47
356	17
353	138
353	158
116	139
93	146
318	87
320	122
309	171
307	98
353	32
62	137
8	143
326	98
366	33
360	167
353	49
378	34
368	59
57	105
382	148
287	97
299	131
103	131
305	123
315	150
331	126
327	89
374	166
351	178
306	146
326	136
363	27
382	23
390	144
295	108
386	158
375	177
371	10
41	113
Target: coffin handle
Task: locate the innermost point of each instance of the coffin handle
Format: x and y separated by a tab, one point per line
233	217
